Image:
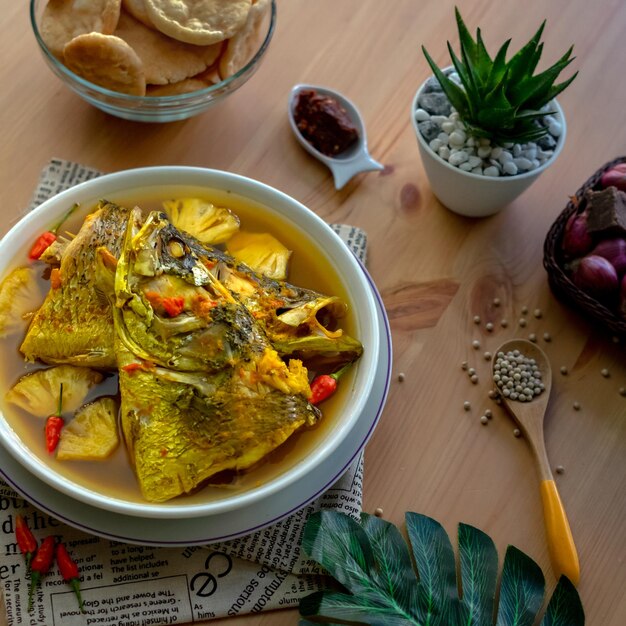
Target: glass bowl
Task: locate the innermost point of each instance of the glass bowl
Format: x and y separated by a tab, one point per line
153	108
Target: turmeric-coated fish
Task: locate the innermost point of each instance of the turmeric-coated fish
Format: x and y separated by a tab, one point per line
75	324
202	388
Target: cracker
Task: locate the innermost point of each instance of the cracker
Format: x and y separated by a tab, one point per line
62	20
137	9
199	22
107	61
173	89
241	47
165	60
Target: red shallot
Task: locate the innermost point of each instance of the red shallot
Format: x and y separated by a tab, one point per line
614	251
615	177
596	277
576	239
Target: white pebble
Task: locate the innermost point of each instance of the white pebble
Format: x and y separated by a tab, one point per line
474	161
454	116
444	138
496	152
534	164
484	141
435	144
555	129
466	167
457	138
522	164
509	168
531	152
471	142
448	127
478	170
492	171
484	151
458	157
438	119
504	157
517	150
421	115
444	152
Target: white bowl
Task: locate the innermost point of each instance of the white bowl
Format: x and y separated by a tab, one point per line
148	182
473	195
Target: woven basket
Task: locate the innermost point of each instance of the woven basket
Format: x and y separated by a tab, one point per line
553	261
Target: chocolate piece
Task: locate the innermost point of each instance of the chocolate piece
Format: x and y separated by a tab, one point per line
606	210
324	123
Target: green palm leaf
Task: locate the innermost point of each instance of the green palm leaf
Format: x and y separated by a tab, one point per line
380	587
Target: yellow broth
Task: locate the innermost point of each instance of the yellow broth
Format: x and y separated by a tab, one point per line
114	476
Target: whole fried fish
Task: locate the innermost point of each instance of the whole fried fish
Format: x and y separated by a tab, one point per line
75	323
202	388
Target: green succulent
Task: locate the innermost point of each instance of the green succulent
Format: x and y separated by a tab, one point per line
498	99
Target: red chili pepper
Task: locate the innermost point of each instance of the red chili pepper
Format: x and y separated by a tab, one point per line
69	571
39	566
325	385
25	539
45	240
173	306
132	367
54	425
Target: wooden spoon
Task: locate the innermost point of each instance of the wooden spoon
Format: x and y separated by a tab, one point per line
530	416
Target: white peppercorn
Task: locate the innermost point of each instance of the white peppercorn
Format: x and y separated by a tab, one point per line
487	356
517	432
522	322
547	337
564	370
474	379
518	376
605	372
475	344
489	326
532	337
537	313
484	420
476	319
467	406
464	365
504	323
496	302
576	406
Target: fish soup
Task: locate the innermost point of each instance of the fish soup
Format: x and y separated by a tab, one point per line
114	475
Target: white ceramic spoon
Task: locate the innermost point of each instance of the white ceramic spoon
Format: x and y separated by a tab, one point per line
352	161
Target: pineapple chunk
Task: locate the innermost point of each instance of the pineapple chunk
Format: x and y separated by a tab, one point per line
38	393
205	221
20	295
262	252
92	435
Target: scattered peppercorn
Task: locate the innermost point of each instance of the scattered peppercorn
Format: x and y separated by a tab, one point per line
547	337
524	310
475	344
605	372
487	356
467	406
488	413
496	302
564	370
522	322
532	337
378	512
464	365
622	391
576	406
504	323
560	469
517	433
483	420
401	377
489	326
476	319
474	379
537	313
471	371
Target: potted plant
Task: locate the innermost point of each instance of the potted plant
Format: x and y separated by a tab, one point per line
487	128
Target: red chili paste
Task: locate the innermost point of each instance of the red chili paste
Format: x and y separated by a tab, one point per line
324	123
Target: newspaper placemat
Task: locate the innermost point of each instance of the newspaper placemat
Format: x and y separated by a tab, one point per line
133	585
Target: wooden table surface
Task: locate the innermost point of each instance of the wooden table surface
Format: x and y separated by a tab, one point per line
435	270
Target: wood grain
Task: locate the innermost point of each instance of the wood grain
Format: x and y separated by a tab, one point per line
434	269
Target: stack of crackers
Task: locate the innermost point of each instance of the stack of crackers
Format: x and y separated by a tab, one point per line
154	47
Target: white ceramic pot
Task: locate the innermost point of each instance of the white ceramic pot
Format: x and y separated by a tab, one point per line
470	194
